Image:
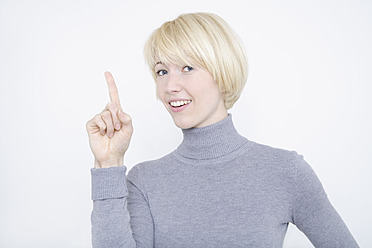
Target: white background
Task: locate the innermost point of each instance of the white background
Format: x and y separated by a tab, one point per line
308	90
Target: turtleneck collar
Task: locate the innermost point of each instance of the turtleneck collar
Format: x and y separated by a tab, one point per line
213	141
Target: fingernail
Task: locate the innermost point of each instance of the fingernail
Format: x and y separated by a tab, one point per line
117	126
111	134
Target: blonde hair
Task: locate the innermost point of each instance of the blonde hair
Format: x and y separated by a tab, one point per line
205	40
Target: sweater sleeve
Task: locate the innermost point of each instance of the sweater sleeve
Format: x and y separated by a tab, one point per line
313	213
112	225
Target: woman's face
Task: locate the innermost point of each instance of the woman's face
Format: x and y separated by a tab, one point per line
190	95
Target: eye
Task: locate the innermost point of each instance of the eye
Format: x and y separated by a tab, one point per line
187	68
161	72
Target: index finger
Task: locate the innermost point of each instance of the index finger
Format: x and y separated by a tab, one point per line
113	90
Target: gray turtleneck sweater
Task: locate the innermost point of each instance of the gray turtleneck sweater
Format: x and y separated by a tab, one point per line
217	189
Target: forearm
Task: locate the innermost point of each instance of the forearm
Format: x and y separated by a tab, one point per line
111	224
110	217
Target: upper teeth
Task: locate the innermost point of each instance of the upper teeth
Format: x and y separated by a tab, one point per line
179	103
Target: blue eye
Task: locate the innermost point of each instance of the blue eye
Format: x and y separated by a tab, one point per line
187	68
161	72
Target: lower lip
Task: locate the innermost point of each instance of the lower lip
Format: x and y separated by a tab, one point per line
178	109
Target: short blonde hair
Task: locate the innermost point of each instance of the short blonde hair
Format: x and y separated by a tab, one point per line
205	40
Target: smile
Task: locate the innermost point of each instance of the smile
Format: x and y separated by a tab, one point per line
179	103
178	106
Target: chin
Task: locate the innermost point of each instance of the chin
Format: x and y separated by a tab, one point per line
182	123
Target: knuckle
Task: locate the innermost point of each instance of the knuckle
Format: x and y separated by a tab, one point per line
127	117
99	122
106	114
112	106
108	104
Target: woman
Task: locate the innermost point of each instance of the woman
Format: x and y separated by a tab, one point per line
217	189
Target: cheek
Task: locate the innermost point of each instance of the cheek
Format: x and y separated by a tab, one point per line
159	91
209	90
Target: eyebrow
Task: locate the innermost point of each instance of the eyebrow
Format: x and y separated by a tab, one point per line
158	63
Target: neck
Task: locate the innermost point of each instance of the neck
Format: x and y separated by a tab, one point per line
212	141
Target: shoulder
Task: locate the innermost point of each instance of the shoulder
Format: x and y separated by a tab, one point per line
288	165
267	154
293	164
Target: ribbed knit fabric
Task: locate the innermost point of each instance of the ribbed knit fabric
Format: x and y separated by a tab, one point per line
108	183
209	143
217	189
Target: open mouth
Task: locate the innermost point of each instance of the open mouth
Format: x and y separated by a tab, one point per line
178	104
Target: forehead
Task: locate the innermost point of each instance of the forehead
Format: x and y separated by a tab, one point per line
176	61
161	64
175	55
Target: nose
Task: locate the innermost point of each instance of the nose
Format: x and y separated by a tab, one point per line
173	82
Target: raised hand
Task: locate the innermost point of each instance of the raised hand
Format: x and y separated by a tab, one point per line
110	131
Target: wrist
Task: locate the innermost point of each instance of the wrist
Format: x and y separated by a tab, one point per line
110	163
